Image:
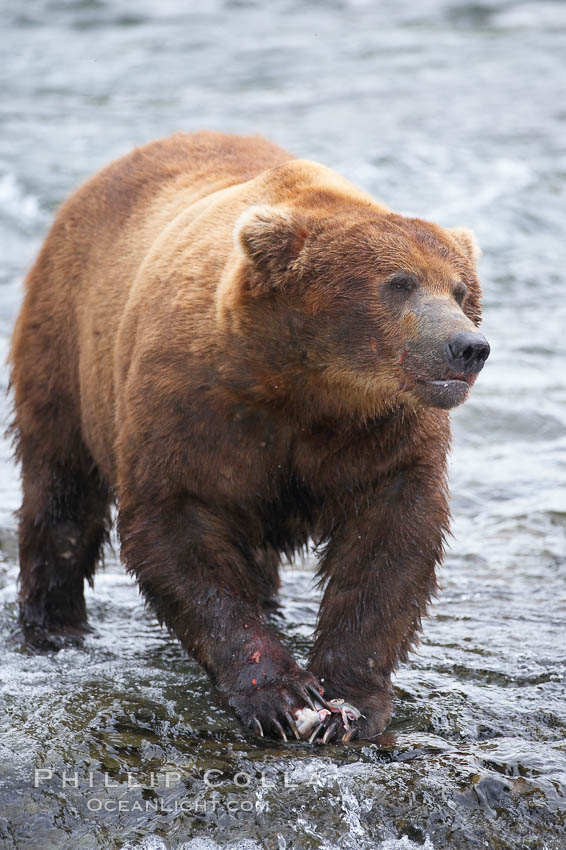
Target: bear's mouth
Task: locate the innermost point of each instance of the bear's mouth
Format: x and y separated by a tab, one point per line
444	393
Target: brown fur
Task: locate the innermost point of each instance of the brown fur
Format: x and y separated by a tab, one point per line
207	336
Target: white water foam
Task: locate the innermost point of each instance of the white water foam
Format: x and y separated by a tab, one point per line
154	843
15	202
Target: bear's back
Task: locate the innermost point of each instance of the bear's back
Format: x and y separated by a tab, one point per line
204	161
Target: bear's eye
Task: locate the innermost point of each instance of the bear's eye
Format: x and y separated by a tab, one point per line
460	291
403	283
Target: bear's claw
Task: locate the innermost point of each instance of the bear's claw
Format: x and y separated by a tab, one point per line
331	729
306	696
351	733
317	729
293	708
280	729
318	697
293	725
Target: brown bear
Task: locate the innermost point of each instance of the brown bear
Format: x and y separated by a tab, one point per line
246	353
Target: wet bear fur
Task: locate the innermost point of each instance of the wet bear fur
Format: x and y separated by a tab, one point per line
215	337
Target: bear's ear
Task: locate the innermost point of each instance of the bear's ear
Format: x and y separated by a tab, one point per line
467	242
271	238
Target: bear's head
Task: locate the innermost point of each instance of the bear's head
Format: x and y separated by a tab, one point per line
359	306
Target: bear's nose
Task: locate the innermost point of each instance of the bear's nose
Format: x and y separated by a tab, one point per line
467	352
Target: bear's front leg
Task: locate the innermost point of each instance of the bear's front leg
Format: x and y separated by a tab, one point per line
192	565
380	572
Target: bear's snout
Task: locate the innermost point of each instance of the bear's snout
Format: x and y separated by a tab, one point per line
442	369
466	353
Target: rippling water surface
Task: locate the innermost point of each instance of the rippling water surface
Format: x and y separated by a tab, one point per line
454	111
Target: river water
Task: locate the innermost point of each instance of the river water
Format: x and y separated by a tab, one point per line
445	109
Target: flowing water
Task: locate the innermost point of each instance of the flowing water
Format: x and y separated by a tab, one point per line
445	109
